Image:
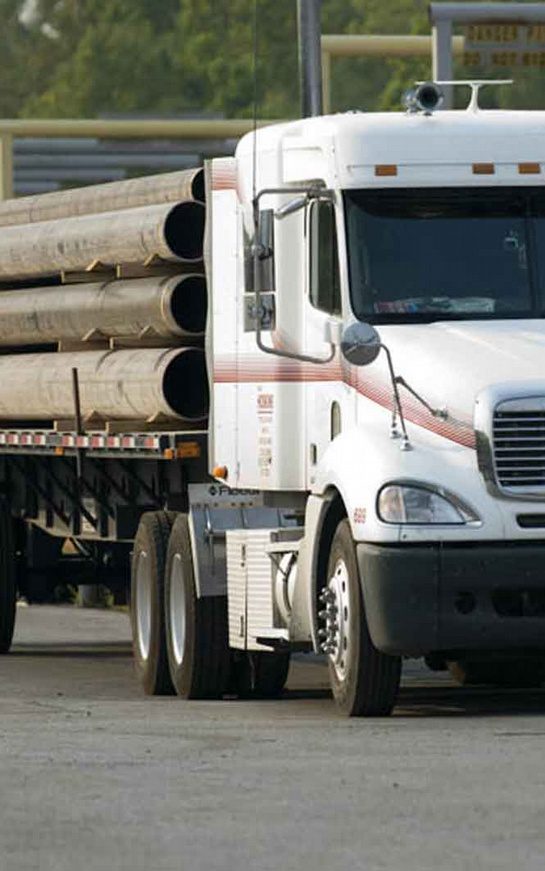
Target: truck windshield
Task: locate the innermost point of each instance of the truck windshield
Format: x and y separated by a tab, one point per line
437	254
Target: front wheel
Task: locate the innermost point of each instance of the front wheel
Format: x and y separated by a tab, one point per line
364	681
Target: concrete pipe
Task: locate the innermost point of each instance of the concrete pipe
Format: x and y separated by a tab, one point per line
139	384
173	233
168	187
166	307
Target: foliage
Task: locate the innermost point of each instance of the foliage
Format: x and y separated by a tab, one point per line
84	58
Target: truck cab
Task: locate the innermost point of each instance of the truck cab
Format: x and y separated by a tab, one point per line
419	476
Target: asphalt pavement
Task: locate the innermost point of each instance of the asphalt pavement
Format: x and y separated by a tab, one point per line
95	777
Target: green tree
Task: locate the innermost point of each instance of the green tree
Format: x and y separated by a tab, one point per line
119	61
27	61
84	58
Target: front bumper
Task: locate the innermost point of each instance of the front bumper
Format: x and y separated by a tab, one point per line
454	598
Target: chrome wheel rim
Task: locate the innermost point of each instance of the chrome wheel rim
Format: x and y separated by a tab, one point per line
143	604
177	609
338	620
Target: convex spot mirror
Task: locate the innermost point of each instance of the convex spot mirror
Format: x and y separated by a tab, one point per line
360	344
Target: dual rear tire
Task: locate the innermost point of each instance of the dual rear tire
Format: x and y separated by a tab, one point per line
196	628
147	597
180	641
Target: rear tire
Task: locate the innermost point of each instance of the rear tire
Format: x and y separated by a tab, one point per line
147	596
510	673
196	628
364	681
8	582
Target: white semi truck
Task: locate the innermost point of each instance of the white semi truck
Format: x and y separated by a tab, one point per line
392	399
370	484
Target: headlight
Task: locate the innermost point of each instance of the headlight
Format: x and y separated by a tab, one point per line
404	503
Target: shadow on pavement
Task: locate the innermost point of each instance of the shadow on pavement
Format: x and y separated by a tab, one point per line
72	650
449	701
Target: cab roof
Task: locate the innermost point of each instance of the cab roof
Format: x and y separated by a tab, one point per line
445	147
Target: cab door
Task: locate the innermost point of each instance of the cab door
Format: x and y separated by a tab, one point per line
330	405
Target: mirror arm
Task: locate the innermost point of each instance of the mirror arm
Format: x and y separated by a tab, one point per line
268	349
398	410
441	413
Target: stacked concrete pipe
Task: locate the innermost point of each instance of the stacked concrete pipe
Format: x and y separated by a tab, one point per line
155	220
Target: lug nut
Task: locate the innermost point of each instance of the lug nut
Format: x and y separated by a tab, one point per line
326	595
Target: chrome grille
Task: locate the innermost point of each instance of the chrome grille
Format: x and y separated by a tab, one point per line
519	444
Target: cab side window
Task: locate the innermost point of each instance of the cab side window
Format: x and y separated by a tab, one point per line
325	286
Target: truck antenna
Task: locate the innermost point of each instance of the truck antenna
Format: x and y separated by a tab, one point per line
256	94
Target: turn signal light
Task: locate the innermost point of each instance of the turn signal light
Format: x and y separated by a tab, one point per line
220	472
188	450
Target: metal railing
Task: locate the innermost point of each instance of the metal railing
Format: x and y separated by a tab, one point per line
110	129
335	46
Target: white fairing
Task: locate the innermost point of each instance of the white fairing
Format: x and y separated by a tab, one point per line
283	424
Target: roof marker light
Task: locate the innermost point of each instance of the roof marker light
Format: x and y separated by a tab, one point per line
383	169
529	168
483	169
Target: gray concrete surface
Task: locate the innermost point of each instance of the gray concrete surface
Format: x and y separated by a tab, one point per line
95	777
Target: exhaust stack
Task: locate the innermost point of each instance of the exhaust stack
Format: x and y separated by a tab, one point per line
310	57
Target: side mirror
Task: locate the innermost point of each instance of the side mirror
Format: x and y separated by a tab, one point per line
360	344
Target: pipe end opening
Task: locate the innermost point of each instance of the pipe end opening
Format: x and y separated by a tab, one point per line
184	230
185	384
189	304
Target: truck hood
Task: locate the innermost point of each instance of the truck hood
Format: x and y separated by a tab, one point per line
449	363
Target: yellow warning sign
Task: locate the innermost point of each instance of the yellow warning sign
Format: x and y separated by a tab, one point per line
504	44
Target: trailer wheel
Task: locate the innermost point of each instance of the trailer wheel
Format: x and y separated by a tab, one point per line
511	673
259	674
8	582
196	628
364	681
147	595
